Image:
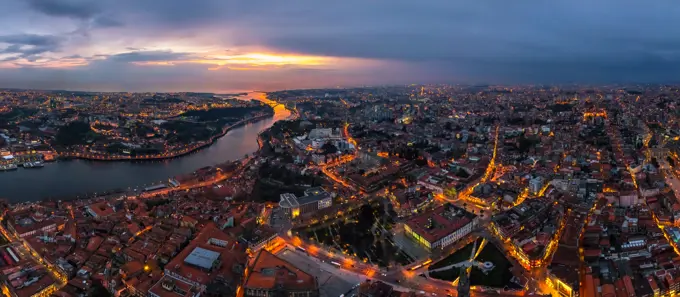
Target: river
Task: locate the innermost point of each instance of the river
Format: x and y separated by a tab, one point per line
69	178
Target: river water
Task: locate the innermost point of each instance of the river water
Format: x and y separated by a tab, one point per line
71	178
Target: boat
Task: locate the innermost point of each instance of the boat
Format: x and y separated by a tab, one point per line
8	167
36	164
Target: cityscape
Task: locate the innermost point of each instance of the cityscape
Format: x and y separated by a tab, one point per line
419	190
224	148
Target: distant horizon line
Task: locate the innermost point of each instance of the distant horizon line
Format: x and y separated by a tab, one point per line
233	92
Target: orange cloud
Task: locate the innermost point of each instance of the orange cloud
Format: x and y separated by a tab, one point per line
249	61
46	63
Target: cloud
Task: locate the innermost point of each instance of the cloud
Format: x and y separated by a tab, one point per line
31	39
148	56
77	9
431	41
28	46
106	22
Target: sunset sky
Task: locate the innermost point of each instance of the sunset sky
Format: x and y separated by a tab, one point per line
234	45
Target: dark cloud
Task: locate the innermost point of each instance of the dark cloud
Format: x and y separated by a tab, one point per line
148	56
106	22
29	46
12	49
77	9
31	39
440	40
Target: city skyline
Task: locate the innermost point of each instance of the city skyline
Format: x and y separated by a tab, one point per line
223	46
401	191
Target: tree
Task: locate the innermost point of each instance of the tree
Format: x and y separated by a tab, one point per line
450	192
98	290
73	133
329	148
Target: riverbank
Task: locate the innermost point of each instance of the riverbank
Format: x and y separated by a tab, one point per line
80	179
195	148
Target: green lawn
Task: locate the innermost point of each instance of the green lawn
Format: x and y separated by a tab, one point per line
500	276
457	257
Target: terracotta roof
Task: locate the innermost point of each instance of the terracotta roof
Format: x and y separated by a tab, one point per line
608	290
34	225
443	225
268	271
94	243
230	255
131	268
178	288
101	209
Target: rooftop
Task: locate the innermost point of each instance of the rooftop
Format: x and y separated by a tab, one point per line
169	287
231	255
269	271
202	258
440	222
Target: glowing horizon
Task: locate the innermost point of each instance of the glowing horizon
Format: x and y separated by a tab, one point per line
248	61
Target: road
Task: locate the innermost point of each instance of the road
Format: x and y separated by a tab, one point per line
193	185
671	178
60	278
326	168
400	278
401	281
465	193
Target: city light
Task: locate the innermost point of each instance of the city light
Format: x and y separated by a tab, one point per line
463	151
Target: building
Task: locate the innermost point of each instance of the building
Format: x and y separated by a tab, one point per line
29	226
325	133
169	287
441	227
628	198
259	238
268	276
313	200
100	209
380	113
535	185
433	183
658	153
375	289
213	257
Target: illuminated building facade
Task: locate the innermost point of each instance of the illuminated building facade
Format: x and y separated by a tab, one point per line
441	227
563	289
313	200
